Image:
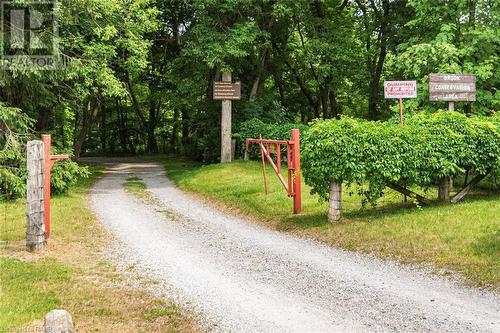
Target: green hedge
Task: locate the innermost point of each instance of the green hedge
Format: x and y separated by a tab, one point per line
429	147
251	129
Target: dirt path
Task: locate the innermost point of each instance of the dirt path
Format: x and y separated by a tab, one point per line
245	278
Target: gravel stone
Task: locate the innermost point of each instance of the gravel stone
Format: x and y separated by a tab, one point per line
246	278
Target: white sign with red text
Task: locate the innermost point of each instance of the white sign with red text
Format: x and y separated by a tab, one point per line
400	89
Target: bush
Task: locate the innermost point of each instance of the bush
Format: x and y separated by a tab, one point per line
429	147
251	129
14	134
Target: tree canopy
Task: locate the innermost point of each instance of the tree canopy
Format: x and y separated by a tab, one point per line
136	76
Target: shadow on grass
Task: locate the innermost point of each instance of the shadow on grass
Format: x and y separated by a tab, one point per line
488	245
374	214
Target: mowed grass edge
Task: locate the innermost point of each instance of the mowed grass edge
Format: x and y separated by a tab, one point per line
463	238
72	273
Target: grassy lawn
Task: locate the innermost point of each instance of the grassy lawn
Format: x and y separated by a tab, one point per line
72	273
463	238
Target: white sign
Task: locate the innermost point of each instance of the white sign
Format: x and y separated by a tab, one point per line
400	89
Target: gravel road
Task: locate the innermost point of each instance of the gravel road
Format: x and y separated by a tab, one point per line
246	278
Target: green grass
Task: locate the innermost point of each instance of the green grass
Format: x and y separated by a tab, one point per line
70	273
28	290
64	208
464	238
134	183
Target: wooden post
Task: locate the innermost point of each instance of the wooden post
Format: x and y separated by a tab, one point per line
401	117
467	188
225	155
335	202
35	205
263	165
297	191
278	157
47	142
233	149
444	189
247	154
451	106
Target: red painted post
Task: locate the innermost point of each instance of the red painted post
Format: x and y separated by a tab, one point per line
297	198
49	163
289	167
263	167
278	157
46	139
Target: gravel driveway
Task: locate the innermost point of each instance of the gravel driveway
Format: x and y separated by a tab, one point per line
246	278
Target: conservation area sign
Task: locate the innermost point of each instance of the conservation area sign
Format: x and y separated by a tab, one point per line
400	89
226	90
452	88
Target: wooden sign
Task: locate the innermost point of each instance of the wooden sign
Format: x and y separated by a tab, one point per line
452	87
224	90
400	89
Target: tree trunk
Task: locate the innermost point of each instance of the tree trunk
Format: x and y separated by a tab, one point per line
258	78
333	105
152	143
174	136
152	124
90	115
42	123
375	84
324	104
335	202
185	127
103	129
122	121
444	189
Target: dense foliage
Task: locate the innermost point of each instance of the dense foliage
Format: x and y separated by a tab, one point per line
373	154
137	74
275	131
15	133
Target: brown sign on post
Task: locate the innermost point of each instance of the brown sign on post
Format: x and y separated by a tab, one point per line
452	88
224	90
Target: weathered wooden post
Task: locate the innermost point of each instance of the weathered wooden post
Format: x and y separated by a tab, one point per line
335	202
226	91
233	149
35	205
226	122
444	189
451	106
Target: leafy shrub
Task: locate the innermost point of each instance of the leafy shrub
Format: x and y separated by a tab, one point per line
429	147
14	134
251	129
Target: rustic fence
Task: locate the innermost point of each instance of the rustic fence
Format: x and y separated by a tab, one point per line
12	226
